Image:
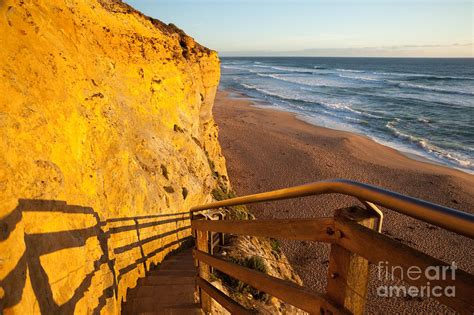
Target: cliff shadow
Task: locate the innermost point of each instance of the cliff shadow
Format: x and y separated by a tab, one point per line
38	244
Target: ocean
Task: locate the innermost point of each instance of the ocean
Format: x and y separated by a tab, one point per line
416	105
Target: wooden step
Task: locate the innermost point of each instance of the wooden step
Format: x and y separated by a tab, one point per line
177	265
154	289
180	258
176	273
127	308
169	289
184	254
155	304
193	309
166	279
185	291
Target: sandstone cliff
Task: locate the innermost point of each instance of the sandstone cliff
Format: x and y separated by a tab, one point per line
107	138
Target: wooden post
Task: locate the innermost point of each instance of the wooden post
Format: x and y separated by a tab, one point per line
202	244
348	273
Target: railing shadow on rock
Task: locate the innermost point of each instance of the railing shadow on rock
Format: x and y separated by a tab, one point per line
65	228
355	241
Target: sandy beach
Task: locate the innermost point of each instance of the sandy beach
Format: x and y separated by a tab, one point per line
267	149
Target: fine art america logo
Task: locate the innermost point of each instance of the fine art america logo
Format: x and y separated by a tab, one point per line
415	273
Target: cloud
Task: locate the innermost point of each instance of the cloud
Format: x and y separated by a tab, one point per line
422	50
422	46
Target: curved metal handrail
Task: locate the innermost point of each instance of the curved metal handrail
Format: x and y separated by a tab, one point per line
451	219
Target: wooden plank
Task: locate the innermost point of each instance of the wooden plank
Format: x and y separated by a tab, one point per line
348	273
320	229
226	302
380	249
287	291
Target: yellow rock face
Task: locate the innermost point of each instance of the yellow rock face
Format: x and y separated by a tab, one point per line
107	140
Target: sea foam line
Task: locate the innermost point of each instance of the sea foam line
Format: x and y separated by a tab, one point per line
430	148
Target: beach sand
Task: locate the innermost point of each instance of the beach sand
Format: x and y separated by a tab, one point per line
268	149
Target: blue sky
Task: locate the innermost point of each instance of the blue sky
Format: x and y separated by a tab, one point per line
443	28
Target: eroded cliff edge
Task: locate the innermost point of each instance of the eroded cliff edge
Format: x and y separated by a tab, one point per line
107	139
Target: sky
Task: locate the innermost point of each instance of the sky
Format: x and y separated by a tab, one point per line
373	28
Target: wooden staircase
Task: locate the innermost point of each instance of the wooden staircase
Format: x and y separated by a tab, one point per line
168	290
175	287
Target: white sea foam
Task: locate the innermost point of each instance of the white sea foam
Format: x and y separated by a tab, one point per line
432	88
350	70
424	120
421	75
456	158
280	94
308	81
365	78
338	106
235	67
293	69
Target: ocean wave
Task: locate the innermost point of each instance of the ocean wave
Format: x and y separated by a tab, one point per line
337	106
248	86
431	88
438	78
416	76
293	69
308	81
236	68
276	94
424	120
350	70
359	78
429	148
266	75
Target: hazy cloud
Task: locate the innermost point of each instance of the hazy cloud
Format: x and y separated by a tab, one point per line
422	50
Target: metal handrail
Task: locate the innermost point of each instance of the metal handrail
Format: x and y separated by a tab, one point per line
451	219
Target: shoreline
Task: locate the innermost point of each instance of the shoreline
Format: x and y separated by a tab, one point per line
238	95
266	149
402	158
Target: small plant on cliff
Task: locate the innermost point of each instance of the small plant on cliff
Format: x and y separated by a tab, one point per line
275	244
236	212
212	166
218	194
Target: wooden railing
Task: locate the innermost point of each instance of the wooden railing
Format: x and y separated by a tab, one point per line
355	241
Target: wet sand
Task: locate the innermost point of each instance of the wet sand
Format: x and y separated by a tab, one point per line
267	149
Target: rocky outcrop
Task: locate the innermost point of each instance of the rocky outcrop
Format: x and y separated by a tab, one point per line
107	140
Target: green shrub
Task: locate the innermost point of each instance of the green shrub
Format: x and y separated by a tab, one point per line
275	244
218	194
236	212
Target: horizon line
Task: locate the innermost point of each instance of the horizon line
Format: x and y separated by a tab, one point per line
299	56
